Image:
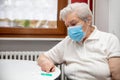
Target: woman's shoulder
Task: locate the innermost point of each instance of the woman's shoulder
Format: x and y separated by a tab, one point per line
107	35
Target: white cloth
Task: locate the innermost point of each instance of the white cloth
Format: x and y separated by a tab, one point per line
87	61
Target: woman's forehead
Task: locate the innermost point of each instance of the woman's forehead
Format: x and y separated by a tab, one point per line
71	17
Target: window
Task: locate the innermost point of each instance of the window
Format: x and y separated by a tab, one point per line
26	26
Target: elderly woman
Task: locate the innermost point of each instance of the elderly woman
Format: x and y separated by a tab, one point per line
87	53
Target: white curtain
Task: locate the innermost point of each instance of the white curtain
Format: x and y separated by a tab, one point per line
29	9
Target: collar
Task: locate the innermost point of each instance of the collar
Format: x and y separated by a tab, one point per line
94	34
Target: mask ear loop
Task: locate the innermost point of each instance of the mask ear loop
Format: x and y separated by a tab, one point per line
86	31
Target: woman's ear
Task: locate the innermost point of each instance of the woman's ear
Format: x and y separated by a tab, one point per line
89	20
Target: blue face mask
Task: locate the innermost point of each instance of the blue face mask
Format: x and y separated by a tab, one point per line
76	33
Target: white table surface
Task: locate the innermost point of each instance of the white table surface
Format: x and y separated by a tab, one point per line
21	70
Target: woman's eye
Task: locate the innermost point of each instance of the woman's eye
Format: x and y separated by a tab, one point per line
73	24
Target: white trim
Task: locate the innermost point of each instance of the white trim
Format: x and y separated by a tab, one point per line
93	10
89	2
37	39
69	1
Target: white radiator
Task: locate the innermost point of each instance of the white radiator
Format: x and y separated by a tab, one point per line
20	55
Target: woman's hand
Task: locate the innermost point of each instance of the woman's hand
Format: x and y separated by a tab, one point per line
45	63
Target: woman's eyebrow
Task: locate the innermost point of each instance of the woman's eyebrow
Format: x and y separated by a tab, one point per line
73	21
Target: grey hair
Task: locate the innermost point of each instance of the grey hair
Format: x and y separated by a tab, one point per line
82	10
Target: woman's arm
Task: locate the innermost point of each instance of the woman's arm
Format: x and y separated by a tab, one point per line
114	64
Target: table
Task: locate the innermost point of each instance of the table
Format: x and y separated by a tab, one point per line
21	70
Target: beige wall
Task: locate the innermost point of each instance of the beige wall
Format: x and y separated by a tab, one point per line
107	16
114	17
102	14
